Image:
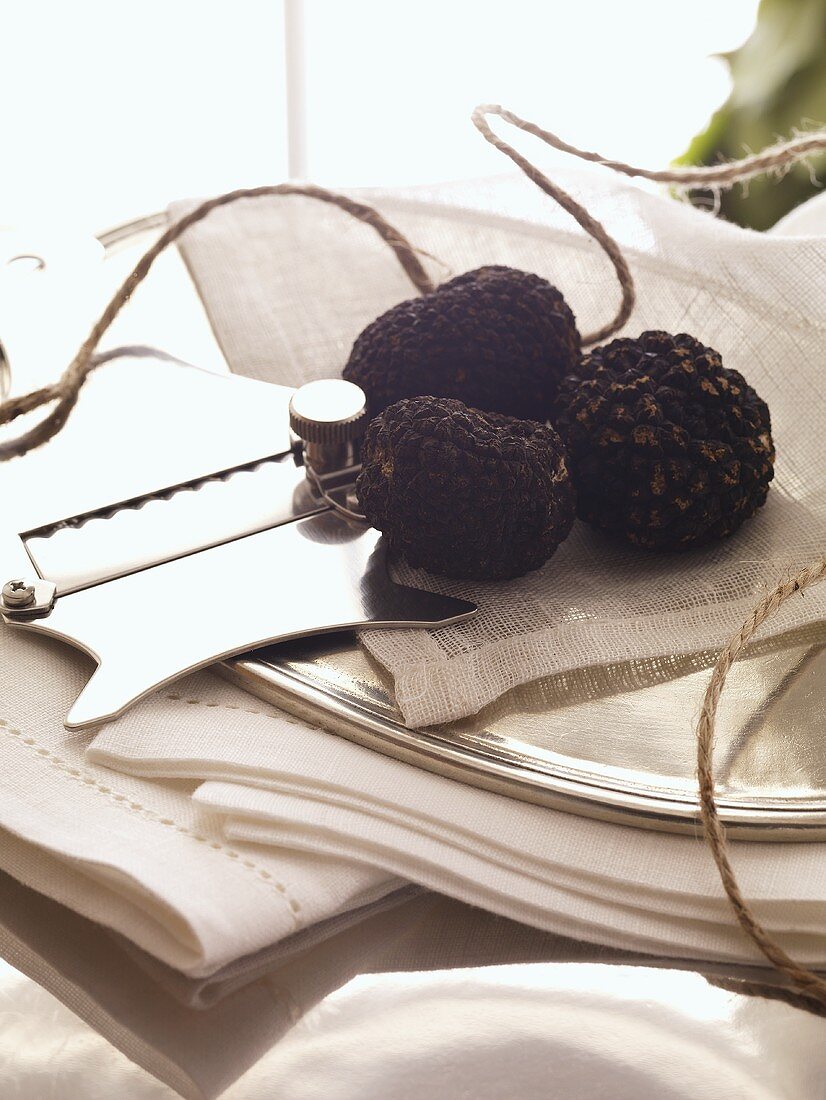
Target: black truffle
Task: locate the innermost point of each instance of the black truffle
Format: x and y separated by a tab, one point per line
494	338
465	493
668	447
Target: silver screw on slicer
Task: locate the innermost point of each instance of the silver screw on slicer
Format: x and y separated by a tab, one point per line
22	599
330	416
18	593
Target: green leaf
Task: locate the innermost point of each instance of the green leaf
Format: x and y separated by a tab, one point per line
779	85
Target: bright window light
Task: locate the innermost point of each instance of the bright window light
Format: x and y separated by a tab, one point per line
114	110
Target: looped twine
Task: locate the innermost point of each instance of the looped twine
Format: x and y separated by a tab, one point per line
64	392
811	985
776	157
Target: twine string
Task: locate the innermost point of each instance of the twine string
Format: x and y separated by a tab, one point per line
769	993
775	158
64	392
811	985
590	224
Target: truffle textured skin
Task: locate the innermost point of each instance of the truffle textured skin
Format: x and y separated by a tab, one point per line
668	448
494	338
465	493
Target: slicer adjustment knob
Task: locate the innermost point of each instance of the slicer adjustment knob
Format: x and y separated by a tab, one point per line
330	416
329	411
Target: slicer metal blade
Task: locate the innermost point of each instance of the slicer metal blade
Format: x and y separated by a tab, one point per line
111	542
170	580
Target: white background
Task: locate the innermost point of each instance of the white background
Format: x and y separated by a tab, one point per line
111	109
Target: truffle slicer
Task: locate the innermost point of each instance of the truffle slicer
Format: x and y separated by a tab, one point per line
179	577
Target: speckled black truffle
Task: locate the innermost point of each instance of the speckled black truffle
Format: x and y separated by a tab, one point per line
494	338
465	493
668	448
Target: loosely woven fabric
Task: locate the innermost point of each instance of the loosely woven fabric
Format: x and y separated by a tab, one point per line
289	287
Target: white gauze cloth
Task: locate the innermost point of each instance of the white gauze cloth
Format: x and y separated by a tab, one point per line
289	283
281	783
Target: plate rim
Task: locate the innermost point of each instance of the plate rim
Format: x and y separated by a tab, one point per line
333	709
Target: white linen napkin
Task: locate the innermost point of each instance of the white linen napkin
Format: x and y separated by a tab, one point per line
279	783
200	1046
160	1021
196	1053
137	856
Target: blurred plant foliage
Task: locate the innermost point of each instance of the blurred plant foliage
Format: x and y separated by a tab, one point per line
779	83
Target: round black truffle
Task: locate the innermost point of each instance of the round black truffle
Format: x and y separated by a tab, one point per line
668	448
465	493
494	338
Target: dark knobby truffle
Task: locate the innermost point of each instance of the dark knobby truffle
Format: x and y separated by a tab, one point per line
668	447
494	338
465	493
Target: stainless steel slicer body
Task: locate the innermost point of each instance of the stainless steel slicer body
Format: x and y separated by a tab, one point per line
158	582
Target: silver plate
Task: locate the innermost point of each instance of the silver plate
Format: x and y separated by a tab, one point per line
615	744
